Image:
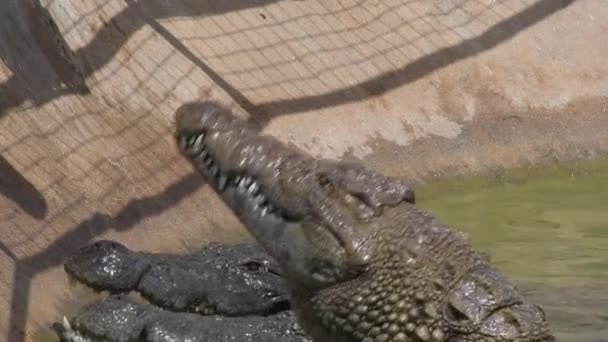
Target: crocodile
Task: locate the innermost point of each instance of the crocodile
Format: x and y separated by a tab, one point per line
362	261
118	318
221	279
224	292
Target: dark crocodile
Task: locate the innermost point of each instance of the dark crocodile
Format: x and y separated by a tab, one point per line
118	318
225	292
363	263
223	279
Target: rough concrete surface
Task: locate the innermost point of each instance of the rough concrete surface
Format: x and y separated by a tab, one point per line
416	88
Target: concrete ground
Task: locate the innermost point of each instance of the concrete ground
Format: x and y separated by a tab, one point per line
416	88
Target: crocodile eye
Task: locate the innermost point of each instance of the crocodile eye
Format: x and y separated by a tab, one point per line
323	180
252	266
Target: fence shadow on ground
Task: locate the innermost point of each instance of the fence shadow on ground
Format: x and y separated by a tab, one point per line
18	90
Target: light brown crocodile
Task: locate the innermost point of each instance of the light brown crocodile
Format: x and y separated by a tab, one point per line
363	262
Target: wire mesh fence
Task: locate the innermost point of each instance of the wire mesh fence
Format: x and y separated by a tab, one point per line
85	121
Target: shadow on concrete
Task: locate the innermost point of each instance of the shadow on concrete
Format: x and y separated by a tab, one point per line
44	67
19	190
72	67
236	95
495	35
68	243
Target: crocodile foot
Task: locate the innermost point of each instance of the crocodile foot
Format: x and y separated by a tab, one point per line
225	292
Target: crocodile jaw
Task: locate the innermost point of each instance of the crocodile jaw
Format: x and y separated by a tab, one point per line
254	175
403	244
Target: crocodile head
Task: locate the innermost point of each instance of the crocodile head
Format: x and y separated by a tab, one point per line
232	280
300	208
363	263
105	264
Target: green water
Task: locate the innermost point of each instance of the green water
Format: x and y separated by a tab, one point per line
547	229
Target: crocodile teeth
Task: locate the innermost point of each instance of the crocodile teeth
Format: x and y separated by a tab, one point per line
237	180
265	211
259	199
254	188
197	145
246	181
66	324
222	181
203	153
207	161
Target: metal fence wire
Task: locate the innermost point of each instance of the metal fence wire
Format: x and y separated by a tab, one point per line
88	88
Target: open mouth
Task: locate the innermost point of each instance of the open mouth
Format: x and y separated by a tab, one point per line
242	190
247	187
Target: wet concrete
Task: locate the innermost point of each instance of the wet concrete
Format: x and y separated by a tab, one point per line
418	88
